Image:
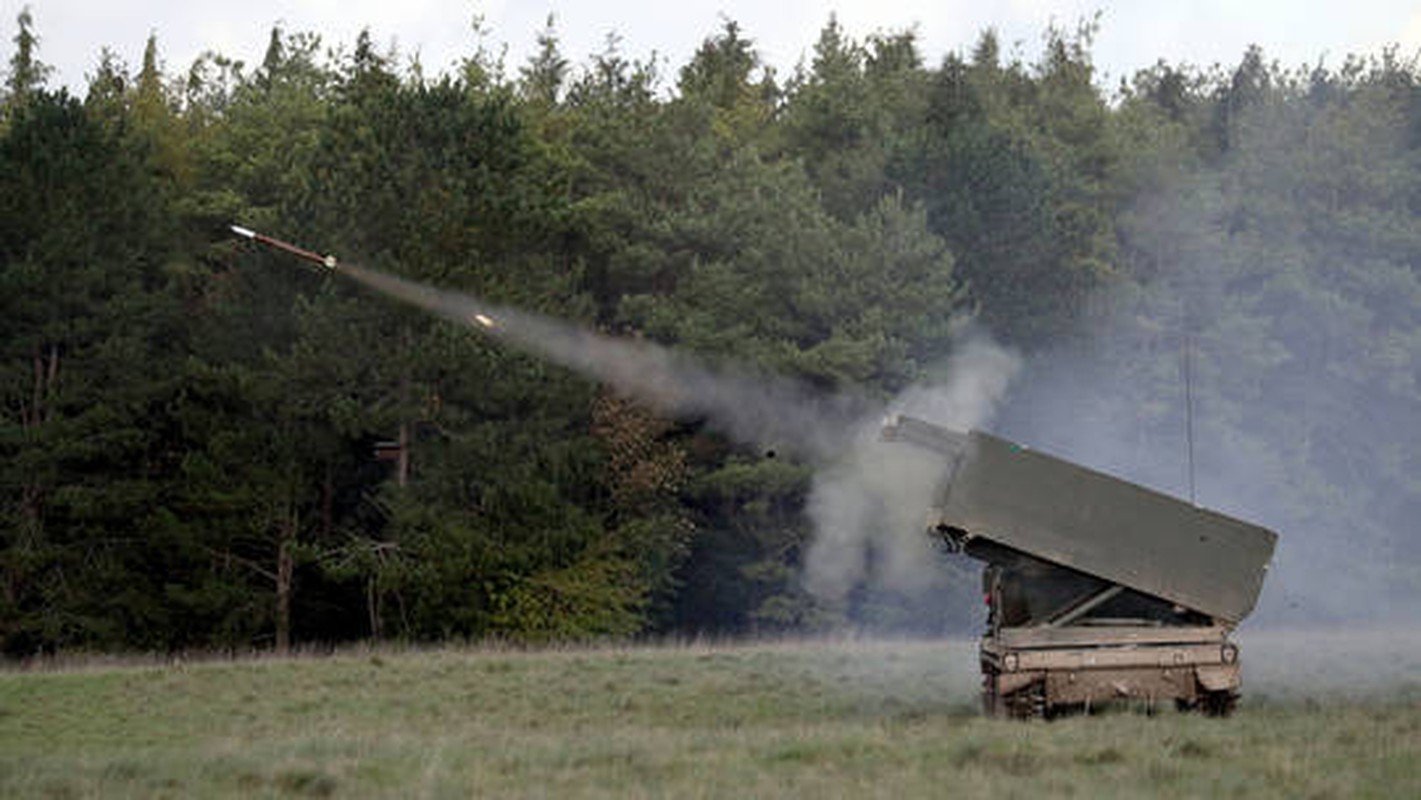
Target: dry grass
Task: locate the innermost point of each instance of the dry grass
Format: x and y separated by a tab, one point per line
814	719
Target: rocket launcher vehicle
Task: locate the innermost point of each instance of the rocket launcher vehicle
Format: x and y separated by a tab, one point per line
1099	589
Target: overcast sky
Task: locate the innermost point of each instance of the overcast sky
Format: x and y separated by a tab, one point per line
1132	34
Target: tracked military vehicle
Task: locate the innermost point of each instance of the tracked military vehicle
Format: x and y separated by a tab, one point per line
1099	590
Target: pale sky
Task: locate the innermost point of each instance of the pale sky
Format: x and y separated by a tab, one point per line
1132	35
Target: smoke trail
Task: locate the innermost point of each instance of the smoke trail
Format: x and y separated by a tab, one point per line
870	508
749	407
870	499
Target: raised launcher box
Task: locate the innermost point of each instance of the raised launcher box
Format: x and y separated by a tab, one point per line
1099	590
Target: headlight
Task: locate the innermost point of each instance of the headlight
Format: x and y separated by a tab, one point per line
1009	663
1228	653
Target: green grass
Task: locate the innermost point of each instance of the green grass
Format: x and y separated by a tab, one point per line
813	719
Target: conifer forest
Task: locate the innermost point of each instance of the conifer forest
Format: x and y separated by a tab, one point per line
1204	278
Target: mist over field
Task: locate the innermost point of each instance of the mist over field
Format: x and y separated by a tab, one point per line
828	717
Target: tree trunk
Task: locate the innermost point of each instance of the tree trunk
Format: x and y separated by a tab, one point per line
372	607
43	389
402	467
285	576
32	490
328	499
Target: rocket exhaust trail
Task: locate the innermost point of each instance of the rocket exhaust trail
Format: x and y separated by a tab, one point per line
750	407
866	502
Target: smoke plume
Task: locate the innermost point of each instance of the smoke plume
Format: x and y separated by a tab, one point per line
749	407
870	499
870	507
1302	415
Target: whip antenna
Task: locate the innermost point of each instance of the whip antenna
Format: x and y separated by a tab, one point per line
1189	410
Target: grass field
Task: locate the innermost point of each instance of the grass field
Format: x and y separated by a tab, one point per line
1324	715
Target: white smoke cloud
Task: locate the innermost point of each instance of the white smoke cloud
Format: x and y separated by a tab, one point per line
749	407
870	508
870	499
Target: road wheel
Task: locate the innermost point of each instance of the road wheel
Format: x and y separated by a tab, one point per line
1218	704
989	696
1028	703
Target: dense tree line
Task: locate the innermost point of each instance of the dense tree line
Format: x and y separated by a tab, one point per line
202	446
